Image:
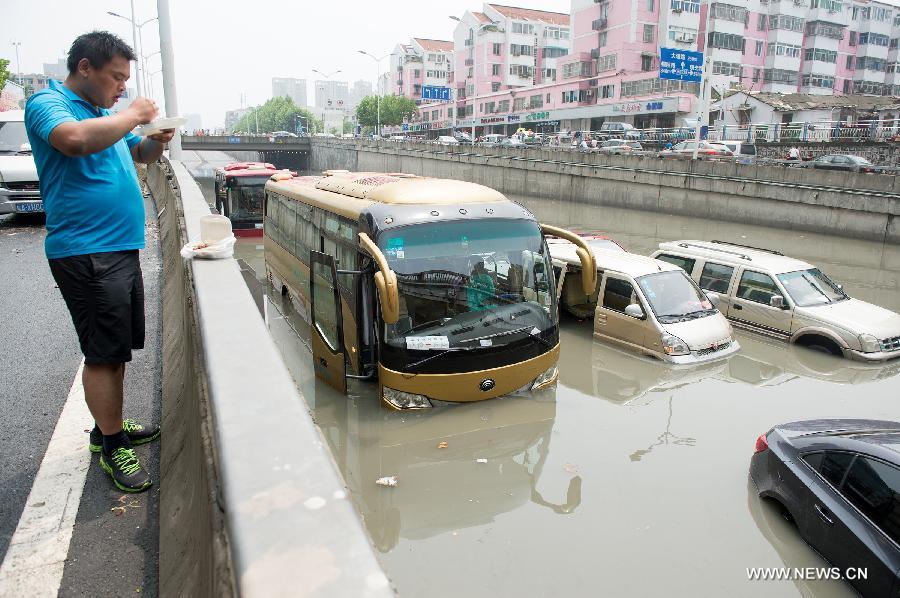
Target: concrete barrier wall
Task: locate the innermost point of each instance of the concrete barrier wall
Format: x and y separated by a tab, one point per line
854	205
252	503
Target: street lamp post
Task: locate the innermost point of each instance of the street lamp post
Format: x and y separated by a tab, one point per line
18	66
703	103
474	66
377	95
148	84
324	108
138	41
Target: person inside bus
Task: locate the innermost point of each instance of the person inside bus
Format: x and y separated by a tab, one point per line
481	287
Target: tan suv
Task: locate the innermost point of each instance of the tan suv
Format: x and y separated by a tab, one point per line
785	298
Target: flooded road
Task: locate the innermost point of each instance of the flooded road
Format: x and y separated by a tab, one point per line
627	479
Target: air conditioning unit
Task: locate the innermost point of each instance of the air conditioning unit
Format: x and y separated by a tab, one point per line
687	38
676	10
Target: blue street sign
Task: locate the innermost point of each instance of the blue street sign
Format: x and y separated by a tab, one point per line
405	127
680	65
433	92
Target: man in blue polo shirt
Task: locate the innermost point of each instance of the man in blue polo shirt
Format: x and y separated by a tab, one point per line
95	226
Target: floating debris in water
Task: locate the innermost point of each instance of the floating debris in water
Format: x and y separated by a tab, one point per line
387	481
442	444
481	460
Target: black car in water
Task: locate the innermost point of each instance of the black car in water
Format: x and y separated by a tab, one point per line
844	162
839	481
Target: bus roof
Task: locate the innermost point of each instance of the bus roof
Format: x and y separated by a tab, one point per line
349	193
236	169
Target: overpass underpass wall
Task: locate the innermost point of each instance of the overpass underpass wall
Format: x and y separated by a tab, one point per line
251	503
846	204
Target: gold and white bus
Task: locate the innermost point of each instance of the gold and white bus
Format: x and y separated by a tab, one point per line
441	289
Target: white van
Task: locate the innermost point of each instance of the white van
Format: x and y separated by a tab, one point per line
781	297
19	189
647	306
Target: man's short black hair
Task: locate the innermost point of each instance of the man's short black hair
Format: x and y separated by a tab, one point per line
98	47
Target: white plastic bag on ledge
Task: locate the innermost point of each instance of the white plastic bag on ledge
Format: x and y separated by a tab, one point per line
217	240
215	250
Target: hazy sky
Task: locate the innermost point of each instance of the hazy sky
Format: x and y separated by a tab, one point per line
227	47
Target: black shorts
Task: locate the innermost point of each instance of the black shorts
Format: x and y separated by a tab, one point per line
105	295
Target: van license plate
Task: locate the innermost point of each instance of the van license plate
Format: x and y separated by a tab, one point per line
30	206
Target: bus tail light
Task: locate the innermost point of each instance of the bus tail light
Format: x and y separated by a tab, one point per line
546	378
404	401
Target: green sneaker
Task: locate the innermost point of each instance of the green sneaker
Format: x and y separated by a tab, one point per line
137	434
125	470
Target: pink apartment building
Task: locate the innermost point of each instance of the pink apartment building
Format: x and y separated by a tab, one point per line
601	62
420	62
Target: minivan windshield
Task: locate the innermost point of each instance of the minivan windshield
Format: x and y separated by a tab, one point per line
811	287
13	139
674	297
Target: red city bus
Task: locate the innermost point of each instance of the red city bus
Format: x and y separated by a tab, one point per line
239	190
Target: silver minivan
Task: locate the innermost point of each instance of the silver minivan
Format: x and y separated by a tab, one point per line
645	305
781	297
19	189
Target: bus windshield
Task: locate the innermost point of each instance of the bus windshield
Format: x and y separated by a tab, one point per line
246	197
470	284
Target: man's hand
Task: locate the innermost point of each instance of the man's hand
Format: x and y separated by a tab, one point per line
164	136
143	110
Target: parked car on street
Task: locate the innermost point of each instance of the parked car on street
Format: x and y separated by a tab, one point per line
19	188
685	149
446	140
617	130
764	291
491	140
845	162
398	138
644	305
282	134
744	152
619	147
839	482
512	142
463	137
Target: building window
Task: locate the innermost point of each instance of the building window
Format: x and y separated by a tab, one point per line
549	74
601	39
729	69
871	64
521	70
853	37
518	104
495	86
607	91
868	87
648	34
783	50
606	63
417	73
780	76
756	75
786	23
526	28
761	23
547	99
825	29
553	52
498	48
875	39
820	55
726	41
569	96
850	63
449	112
651	5
521	50
495	69
646	62
536	101
683	35
503	106
728	12
823	81
470	72
685	5
846	85
655	85
759	47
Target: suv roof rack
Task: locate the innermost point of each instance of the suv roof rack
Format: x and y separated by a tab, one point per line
743	256
772	251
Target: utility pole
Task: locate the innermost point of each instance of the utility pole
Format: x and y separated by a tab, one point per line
137	59
18	65
167	54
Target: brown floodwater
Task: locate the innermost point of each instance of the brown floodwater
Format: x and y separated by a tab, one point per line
629	478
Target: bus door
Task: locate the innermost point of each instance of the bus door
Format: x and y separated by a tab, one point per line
326	322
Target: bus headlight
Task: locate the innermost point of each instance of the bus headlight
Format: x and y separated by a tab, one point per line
404	401
673	345
869	344
546	378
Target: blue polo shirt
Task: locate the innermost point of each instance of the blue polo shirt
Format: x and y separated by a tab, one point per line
93	203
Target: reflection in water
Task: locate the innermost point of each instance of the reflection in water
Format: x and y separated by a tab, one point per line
666	437
792	551
458	466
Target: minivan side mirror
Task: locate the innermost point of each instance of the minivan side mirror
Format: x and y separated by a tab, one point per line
777	301
634	310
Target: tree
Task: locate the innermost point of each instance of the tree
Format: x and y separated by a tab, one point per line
278	114
4	72
393	109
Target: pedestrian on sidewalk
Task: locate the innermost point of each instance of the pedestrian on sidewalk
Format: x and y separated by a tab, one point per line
85	159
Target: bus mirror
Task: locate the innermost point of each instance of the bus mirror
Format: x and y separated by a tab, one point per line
584	253
385	281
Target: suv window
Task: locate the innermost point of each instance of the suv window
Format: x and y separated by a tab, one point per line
715	277
748	149
617	294
874	488
685	263
831	465
757	287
